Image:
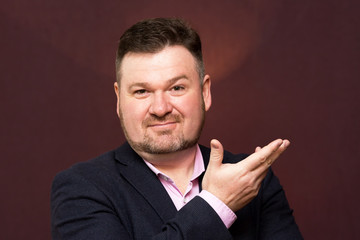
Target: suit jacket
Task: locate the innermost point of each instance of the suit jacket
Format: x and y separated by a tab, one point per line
116	196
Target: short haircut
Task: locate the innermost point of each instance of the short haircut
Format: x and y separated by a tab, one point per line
153	35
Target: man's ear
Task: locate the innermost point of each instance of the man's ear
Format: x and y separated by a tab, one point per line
206	92
117	92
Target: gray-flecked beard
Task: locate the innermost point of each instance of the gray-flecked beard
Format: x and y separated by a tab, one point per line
173	144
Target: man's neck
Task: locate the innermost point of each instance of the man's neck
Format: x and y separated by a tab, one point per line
179	166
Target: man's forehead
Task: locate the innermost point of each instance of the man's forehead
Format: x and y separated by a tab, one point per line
169	52
168	63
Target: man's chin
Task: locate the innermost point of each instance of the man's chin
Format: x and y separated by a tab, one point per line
160	148
163	147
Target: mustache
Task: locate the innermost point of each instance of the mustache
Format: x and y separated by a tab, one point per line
153	119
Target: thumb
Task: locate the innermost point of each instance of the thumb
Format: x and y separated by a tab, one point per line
216	154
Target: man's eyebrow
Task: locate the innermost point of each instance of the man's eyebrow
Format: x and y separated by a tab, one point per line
175	79
147	84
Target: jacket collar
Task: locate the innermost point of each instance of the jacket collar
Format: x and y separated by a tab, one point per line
135	171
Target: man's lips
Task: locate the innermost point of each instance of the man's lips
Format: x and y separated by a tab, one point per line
162	124
168	122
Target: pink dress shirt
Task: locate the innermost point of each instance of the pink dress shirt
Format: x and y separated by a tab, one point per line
225	213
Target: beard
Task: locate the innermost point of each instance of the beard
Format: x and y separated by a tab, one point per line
166	141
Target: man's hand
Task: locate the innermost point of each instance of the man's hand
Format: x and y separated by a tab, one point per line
237	184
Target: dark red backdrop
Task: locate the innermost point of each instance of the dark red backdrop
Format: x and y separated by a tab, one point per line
280	69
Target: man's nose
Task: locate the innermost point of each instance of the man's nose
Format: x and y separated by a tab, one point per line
160	105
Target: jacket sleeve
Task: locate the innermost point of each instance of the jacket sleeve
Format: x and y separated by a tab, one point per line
276	218
81	210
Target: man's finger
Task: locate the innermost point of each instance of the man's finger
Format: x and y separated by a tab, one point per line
264	166
216	154
277	153
263	155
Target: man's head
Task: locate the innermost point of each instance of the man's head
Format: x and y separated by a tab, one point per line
153	35
161	98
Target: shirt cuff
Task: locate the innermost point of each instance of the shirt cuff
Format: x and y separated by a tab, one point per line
225	213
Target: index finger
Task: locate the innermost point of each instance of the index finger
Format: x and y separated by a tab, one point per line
259	157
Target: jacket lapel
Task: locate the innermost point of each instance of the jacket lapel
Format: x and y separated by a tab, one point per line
145	182
205	152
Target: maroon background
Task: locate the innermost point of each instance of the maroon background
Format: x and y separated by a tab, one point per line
280	69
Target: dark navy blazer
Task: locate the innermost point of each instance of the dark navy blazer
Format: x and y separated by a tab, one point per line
116	196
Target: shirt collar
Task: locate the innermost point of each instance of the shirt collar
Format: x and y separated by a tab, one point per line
199	166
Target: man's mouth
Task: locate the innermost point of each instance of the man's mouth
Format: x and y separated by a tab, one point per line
162	124
168	122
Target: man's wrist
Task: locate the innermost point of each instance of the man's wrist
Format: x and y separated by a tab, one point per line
225	213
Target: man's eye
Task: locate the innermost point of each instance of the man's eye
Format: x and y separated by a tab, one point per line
140	92
178	88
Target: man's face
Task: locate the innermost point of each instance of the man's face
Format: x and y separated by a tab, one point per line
161	103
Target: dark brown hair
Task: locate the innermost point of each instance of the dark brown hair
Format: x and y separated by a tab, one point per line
153	35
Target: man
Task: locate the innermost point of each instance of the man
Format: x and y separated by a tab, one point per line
155	186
